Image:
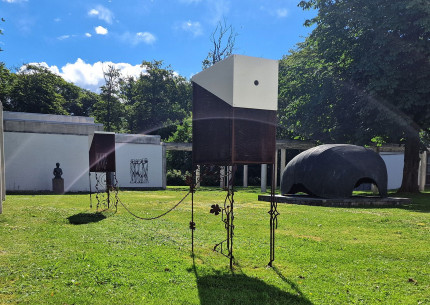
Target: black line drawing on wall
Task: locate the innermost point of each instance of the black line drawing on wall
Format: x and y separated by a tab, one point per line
139	171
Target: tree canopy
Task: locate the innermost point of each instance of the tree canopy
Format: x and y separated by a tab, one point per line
157	101
362	74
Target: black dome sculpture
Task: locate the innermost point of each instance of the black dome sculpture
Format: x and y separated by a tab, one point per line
333	171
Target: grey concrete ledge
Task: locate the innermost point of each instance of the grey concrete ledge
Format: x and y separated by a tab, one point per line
51	127
26	116
137	139
355	201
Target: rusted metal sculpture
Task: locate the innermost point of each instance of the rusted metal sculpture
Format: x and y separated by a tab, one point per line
234	122
102	162
333	171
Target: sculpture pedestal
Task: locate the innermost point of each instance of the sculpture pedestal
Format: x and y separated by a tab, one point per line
58	186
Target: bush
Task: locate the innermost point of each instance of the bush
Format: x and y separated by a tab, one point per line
176	177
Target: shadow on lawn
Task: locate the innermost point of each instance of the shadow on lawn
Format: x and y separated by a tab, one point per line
241	289
84	218
420	202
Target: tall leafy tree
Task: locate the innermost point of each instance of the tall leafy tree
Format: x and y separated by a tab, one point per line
6	81
157	101
36	89
380	51
109	110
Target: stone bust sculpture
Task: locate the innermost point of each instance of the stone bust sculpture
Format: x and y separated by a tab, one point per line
57	171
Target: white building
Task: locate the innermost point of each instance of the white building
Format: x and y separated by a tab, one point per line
33	143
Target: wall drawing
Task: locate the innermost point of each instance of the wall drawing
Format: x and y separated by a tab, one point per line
139	171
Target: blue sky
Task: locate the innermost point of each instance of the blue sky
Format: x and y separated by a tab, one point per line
77	38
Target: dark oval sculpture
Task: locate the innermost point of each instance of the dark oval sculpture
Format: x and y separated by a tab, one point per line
333	171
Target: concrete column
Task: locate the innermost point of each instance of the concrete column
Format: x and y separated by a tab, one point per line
283	160
423	171
198	176
245	176
230	174
276	169
222	177
164	167
263	178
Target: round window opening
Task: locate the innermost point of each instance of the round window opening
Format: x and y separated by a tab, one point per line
256	82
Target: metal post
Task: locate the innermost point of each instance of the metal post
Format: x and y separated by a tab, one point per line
273	218
231	226
108	185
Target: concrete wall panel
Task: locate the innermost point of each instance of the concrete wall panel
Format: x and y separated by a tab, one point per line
30	159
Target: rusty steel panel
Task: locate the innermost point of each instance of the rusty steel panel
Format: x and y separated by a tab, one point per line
102	153
254	136
226	135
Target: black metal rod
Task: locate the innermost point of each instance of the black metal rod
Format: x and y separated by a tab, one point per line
91	199
192	219
231	218
273	215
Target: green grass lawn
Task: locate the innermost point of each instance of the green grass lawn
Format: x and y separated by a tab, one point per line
56	250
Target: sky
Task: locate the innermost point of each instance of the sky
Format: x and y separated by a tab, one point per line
78	38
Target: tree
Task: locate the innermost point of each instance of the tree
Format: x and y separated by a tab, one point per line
381	49
6	81
223	40
37	90
180	160
109	110
316	104
157	101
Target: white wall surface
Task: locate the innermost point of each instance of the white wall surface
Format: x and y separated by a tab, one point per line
30	159
124	152
394	163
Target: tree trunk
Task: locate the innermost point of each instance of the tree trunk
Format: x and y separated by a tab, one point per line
411	165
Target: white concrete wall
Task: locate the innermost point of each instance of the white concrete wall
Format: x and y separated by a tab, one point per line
127	151
394	163
30	159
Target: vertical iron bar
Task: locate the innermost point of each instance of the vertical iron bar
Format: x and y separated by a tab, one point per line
231	226
91	199
273	216
192	220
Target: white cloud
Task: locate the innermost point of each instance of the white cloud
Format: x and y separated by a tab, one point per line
193	27
135	39
14	1
101	30
145	37
282	12
88	35
102	13
90	76
57	19
93	12
63	37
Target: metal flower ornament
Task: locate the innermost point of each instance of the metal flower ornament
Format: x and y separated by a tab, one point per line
215	209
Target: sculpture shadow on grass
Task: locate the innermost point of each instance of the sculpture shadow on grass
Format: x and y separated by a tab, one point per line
85	218
241	289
